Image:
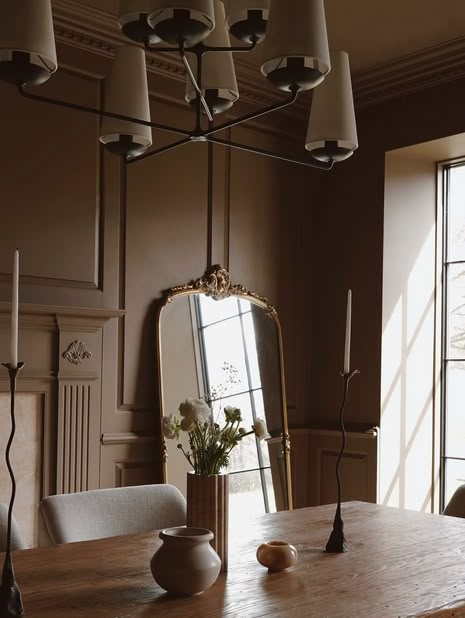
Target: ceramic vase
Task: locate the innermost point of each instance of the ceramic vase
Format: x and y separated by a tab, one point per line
277	555
185	564
208	506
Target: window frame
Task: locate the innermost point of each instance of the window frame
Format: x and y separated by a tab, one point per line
441	344
261	468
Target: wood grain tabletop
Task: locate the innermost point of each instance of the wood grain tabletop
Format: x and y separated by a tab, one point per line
399	563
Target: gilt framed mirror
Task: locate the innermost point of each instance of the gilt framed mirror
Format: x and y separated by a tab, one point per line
223	343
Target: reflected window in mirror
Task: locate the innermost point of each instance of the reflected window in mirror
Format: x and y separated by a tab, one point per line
229	370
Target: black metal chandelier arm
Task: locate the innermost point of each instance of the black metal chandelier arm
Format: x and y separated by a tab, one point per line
241	48
153	48
202	48
99	112
251	116
272	155
194	83
158	151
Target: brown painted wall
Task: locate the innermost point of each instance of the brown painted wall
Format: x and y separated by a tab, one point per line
93	235
346	249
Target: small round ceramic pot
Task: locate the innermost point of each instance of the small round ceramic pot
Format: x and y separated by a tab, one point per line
186	563
277	555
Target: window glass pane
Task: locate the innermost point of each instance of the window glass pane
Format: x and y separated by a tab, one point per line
244	455
245	305
455	476
224	355
263	446
251	346
212	310
456	214
259	405
456	311
236	401
270	492
245	495
455	410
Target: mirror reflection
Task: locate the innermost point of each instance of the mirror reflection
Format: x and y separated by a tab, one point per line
228	351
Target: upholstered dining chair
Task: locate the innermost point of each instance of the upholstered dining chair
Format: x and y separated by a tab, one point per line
103	513
17	540
456	505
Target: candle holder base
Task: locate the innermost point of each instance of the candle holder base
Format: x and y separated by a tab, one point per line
11	603
337	543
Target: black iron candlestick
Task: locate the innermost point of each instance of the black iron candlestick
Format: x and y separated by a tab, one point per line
337	541
11	603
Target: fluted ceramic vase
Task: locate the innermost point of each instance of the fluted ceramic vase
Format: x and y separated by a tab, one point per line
208	507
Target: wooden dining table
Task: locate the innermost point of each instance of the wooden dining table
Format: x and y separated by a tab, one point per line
399	563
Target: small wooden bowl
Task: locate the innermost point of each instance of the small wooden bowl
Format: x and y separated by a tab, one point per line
277	555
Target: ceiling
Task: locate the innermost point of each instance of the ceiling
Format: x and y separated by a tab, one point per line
375	32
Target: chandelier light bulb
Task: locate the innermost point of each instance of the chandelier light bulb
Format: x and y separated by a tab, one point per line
27	42
247	20
332	131
295	51
126	93
176	21
132	19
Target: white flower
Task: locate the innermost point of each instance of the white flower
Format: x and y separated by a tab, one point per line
260	429
232	415
171	427
187	423
195	409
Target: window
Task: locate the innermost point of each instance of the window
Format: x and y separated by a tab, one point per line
231	375
453	331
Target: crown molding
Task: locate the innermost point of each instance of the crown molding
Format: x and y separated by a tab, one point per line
430	67
94	30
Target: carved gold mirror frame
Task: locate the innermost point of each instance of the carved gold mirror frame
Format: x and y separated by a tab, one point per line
216	283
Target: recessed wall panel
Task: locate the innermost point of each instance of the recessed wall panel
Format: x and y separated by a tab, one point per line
50	183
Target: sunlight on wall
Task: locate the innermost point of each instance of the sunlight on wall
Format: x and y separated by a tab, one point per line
390	450
406	436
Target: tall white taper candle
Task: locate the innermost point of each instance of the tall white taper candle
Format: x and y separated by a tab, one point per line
14	313
348	329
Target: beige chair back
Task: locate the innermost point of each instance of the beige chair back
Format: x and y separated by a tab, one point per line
111	512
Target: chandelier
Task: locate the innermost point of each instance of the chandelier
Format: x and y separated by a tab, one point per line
295	58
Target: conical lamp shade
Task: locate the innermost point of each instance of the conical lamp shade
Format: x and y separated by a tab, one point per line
332	132
295	52
247	19
219	85
182	20
132	18
126	93
27	42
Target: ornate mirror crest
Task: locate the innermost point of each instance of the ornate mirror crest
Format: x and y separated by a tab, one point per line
217	284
